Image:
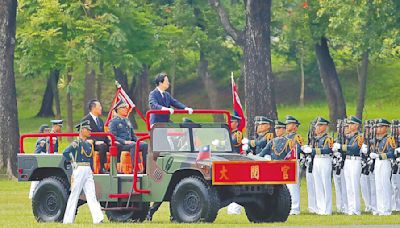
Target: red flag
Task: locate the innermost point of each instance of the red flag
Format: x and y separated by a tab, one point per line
292	155
237	107
204	153
120	94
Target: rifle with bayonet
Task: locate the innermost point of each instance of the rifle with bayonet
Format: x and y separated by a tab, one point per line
309	159
338	161
373	146
395	127
367	139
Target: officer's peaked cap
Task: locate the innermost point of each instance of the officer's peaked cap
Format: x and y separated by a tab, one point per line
279	124
262	120
290	119
83	124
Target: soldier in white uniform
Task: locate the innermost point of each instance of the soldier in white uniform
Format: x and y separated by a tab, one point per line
322	168
292	125
80	154
352	167
384	147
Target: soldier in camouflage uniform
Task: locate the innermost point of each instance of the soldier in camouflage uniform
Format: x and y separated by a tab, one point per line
383	151
322	168
280	147
263	126
352	165
292	125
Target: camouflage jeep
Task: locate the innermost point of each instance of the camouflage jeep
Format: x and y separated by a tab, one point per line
195	186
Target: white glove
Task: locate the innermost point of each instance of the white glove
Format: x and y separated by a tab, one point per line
245	141
215	142
337	154
307	149
171	110
364	149
373	155
245	147
397	159
336	147
190	110
397	150
42	143
267	157
74	165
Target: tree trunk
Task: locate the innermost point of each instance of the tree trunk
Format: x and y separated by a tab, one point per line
258	78
302	81
173	76
90	86
209	85
362	85
99	81
46	109
142	90
55	76
70	121
257	70
9	130
121	77
131	94
330	81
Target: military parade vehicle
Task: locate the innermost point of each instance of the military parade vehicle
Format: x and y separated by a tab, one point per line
195	186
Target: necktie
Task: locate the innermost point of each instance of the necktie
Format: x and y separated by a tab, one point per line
98	122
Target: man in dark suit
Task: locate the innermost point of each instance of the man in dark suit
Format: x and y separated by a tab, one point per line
101	144
160	99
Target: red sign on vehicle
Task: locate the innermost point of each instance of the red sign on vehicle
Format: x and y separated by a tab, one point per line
254	172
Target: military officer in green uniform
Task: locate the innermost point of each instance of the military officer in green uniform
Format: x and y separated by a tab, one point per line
292	125
263	126
237	135
80	155
280	147
41	146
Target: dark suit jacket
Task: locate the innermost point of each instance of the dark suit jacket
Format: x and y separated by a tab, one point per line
95	128
156	101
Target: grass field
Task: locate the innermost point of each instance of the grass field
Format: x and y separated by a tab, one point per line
16	211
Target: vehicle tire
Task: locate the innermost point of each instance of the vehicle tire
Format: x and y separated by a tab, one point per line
129	216
50	200
194	200
283	203
140	215
259	214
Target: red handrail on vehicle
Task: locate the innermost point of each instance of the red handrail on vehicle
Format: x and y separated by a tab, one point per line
51	135
182	111
136	167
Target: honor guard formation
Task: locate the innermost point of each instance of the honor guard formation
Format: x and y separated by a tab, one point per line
363	161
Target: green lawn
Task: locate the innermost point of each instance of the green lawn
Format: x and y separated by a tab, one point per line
16	211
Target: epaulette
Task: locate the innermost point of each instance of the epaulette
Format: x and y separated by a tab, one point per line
299	139
359	139
269	136
329	141
391	141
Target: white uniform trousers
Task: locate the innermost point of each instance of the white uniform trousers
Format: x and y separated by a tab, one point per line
352	175
312	203
294	190
366	192
34	184
322	172
396	192
82	178
383	171
340	190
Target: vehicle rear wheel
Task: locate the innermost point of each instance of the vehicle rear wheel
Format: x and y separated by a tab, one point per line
194	200
259	214
50	200
283	203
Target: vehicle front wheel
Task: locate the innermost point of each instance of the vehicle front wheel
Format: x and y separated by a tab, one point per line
194	200
50	200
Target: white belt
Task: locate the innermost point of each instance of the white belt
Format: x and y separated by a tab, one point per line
353	157
322	156
83	163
